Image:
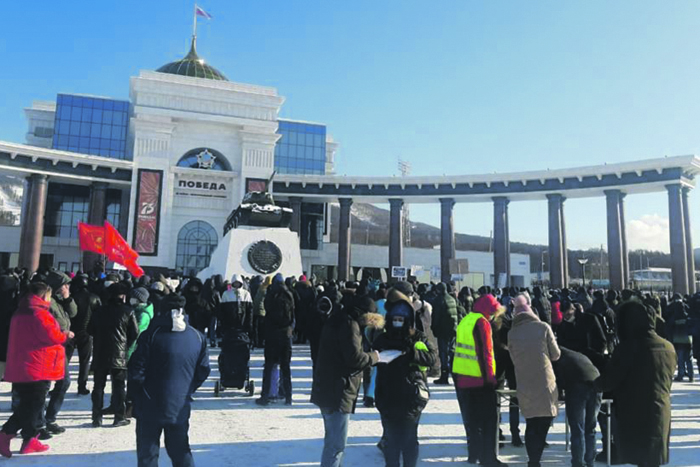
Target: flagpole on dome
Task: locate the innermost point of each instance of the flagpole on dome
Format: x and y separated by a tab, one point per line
194	23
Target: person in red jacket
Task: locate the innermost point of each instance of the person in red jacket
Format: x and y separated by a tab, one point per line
35	357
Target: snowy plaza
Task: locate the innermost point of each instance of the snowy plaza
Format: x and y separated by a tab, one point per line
232	430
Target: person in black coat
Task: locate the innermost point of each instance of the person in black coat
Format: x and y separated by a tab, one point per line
114	329
87	303
576	374
542	306
279	328
170	363
402	386
337	376
640	376
9	299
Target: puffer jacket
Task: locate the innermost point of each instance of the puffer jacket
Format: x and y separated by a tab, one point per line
279	312
115	329
445	316
63	309
35	348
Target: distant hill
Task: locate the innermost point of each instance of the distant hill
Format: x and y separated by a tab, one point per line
370	225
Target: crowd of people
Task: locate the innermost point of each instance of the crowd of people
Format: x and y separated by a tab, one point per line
150	336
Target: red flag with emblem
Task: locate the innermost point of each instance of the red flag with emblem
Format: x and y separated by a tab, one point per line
92	238
119	251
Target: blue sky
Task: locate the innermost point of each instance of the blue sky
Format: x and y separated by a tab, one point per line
451	86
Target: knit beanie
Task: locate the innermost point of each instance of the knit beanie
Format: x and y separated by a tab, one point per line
140	294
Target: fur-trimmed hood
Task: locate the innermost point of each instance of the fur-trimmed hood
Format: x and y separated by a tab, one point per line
372	321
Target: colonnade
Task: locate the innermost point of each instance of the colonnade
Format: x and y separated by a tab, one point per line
34	214
683	269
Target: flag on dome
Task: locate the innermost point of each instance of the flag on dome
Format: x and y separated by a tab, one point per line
200	12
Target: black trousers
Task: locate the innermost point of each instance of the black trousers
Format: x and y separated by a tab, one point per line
278	352
177	442
401	441
259	331
30	409
483	419
58	395
536	430
84	346
118	392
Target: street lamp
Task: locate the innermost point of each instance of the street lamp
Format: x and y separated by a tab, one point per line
582	262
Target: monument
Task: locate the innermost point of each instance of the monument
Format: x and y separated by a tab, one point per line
257	241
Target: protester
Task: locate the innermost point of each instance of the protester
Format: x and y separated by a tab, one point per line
87	304
402	386
640	375
170	363
63	308
444	326
35	356
575	375
279	328
336	377
259	313
115	330
533	348
679	332
474	370
236	308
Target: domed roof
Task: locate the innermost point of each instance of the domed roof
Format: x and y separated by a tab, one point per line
192	66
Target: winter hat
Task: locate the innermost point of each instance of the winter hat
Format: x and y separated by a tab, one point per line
56	279
398	304
486	305
172	302
302	278
278	279
158	286
140	294
404	287
112	278
364	305
117	289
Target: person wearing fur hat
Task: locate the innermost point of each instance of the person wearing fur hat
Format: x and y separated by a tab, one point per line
402	385
474	371
533	348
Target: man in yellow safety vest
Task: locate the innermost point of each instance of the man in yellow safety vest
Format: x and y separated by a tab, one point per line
474	372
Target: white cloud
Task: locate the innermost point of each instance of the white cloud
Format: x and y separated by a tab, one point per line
650	232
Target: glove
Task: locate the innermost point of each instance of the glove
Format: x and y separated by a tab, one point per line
387	356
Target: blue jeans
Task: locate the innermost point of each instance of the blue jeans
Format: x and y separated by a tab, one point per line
445	349
177	442
335	424
582	407
401	441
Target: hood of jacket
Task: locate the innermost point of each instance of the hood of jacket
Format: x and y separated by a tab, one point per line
635	321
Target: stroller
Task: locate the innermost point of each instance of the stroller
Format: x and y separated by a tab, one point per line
234	370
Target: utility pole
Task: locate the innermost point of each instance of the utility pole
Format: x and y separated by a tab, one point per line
405	169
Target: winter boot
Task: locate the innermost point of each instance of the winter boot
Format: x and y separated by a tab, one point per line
444	379
55	429
516	441
121	422
83	391
5	444
33	445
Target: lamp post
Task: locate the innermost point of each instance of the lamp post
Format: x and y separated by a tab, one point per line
582	262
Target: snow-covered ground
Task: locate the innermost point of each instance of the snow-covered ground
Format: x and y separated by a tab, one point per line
233	431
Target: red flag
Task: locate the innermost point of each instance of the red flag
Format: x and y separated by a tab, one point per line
116	248
134	268
92	237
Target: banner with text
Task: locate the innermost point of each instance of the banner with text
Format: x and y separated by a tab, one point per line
147	224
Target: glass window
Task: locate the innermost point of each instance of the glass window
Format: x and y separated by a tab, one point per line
64	127
106	131
107	104
76	113
98	103
87	114
107	116
73	140
195	243
292	138
85	129
96	116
